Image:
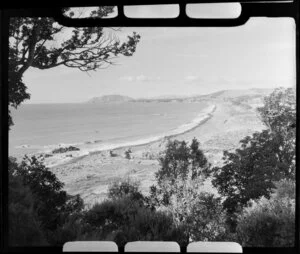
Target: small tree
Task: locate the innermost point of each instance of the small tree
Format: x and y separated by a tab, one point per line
279	115
279	111
179	180
249	172
181	162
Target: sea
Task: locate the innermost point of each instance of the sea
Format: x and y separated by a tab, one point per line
40	128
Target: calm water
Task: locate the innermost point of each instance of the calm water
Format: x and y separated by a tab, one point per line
39	127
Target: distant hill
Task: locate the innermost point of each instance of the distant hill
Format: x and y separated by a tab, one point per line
110	99
223	95
247	98
235	95
169	96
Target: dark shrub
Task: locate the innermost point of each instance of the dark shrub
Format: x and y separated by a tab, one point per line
126	188
207	219
112	154
269	223
124	220
128	154
24	226
65	149
51	204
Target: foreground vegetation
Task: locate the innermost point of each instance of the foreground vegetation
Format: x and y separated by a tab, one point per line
255	205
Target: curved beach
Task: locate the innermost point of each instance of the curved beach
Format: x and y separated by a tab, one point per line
96	147
221	128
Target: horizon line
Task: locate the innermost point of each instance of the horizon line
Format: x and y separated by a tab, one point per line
167	96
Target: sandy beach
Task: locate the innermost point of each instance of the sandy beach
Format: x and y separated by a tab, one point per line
90	176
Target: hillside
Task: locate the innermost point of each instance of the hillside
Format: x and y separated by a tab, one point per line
237	96
110	99
233	93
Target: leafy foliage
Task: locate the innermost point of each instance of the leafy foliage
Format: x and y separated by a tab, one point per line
207	219
51	204
49	198
250	171
181	161
125	217
24	226
72	229
270	223
199	215
285	188
265	157
37	42
279	110
126	189
123	220
279	115
180	164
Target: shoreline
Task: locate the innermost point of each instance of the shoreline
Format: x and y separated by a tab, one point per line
91	175
204	117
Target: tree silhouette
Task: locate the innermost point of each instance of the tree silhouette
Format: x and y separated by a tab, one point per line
263	158
42	43
51	203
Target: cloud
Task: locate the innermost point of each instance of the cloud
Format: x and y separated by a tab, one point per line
191	78
127	78
140	78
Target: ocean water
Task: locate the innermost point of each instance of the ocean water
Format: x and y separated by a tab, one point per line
92	127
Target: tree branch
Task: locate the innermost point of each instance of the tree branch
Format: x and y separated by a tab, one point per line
31	49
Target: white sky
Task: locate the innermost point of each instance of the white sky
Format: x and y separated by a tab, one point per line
182	61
